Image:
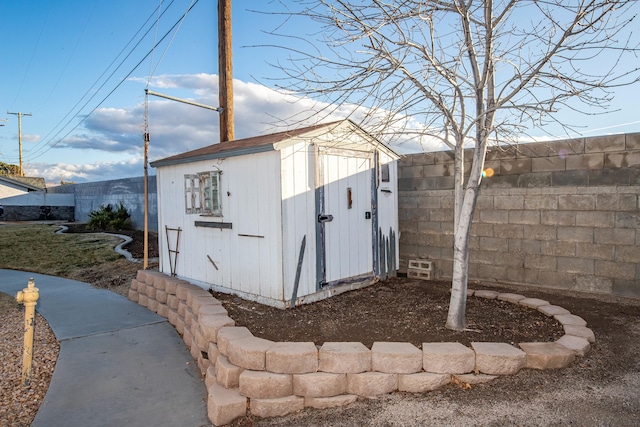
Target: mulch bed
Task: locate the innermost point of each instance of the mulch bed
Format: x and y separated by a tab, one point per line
398	309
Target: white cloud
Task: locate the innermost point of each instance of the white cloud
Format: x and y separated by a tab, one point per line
101	171
176	127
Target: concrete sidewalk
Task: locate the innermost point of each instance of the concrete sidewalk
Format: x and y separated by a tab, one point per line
119	363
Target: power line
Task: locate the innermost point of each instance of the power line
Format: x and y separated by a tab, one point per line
42	146
46	143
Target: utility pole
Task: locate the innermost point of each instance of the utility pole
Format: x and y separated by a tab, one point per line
21	172
225	71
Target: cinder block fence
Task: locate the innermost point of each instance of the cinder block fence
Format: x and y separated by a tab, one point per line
563	215
243	372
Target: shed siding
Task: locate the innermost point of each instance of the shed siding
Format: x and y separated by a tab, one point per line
298	217
388	205
348	236
247	256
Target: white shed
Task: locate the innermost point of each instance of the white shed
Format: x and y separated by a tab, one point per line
281	219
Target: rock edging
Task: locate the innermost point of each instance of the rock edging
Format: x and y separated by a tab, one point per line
277	378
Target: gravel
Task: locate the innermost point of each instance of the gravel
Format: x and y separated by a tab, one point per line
19	404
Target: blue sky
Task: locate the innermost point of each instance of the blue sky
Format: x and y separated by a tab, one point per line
64	62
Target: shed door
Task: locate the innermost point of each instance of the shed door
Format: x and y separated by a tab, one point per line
344	217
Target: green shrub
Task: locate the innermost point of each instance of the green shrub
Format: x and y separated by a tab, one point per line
106	218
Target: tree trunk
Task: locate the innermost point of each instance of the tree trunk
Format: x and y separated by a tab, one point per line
456	318
457	306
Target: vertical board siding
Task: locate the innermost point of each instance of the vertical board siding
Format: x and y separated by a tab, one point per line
298	216
250	199
348	242
270	200
388	207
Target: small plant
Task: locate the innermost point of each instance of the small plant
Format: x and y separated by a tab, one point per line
106	218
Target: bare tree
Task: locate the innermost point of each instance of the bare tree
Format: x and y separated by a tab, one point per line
466	72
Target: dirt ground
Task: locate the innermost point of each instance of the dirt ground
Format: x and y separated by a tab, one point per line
394	310
600	388
117	276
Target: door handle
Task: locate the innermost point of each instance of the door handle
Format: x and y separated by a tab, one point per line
325	218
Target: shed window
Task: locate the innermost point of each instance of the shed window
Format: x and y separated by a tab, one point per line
202	193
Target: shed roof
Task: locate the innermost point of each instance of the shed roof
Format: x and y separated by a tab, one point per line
29	183
239	147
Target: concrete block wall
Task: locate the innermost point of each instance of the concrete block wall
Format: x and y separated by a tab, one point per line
130	191
564	214
38	206
271	379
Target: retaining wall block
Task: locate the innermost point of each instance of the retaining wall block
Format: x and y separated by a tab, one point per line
171	283
330	402
133	295
319	384
134	284
509	297
225	405
422	381
547	355
533	302
292	358
196	292
213	352
172	316
578	345
486	294
141	276
153	276
210	376
344	358
276	407
172	302
187	337
211	309
396	358
188	316
552	310
580	331
265	385
151	292
447	358
163	310
142	288
195	351
180	325
183	287
498	358
182	308
153	305
249	352
203	364
210	325
570	319
159	282
161	296
200	340
229	333
203	300
371	384
227	374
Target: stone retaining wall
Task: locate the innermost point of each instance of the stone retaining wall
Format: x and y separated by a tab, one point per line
277	378
562	214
